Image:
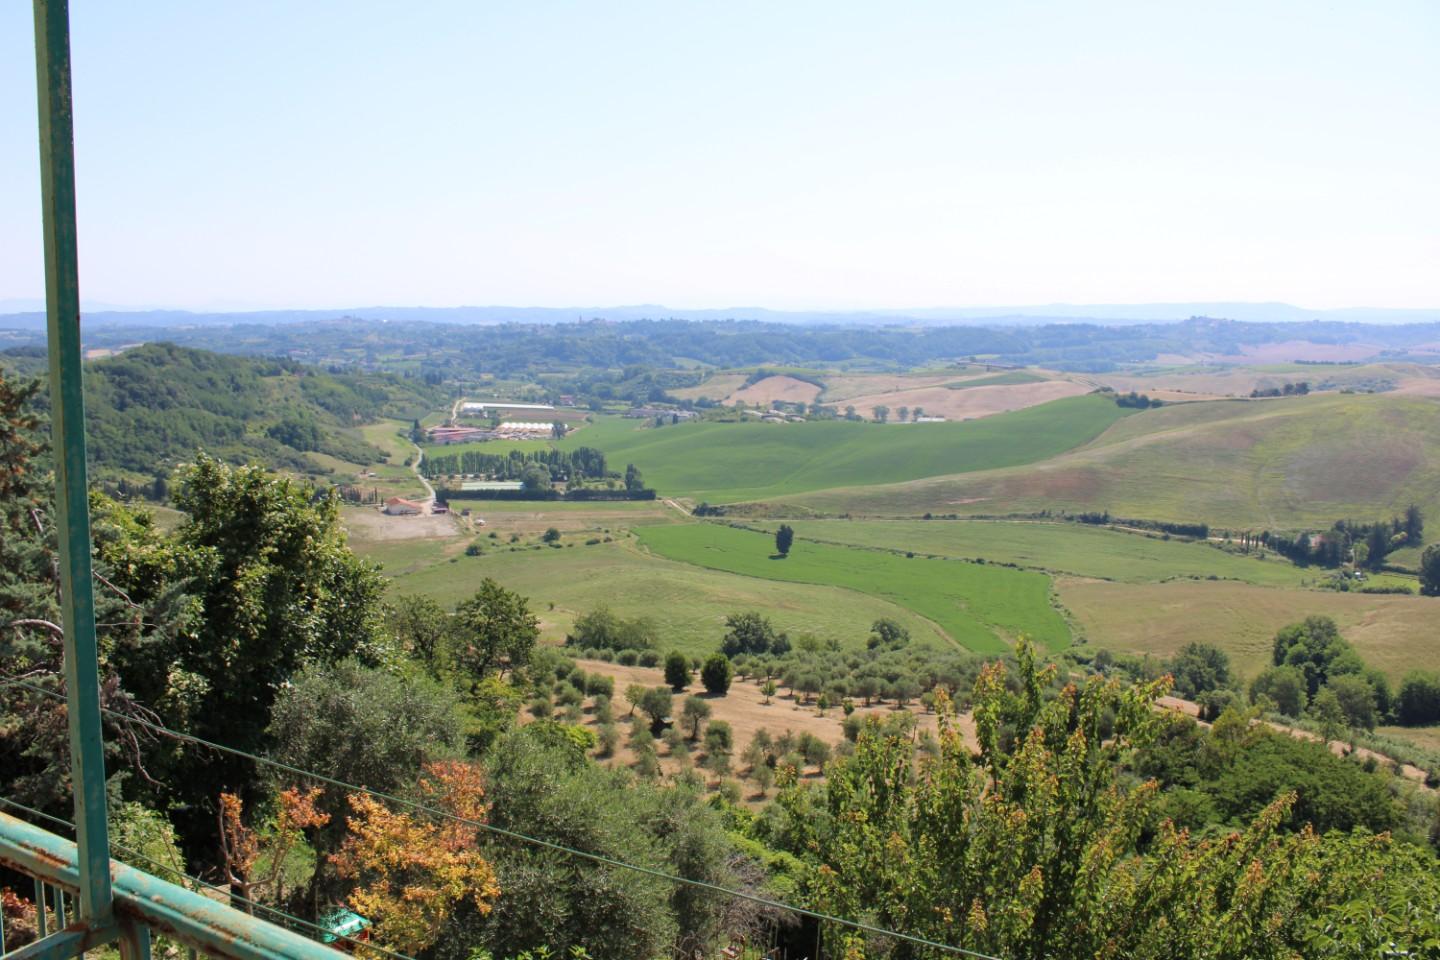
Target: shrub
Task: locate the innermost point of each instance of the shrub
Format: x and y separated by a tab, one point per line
648	658
677	670
716	674
627	658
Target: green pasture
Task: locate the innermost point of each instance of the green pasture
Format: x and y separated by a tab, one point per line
1277	464
981	606
728	462
1056	547
688	603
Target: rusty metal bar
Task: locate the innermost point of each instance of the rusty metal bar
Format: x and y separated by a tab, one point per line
196	921
67	425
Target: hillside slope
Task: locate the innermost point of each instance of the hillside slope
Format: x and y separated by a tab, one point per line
155	405
1290	463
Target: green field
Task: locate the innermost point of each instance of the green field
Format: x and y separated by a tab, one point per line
981	606
729	462
1277	464
1056	547
688	603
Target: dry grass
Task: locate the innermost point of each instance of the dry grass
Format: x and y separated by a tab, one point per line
1393	633
767	391
973	403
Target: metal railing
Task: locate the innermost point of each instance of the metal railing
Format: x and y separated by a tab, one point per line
83	898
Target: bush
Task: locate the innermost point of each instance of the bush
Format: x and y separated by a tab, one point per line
648	658
604	709
627	658
677	670
719	738
716	674
540	708
598	685
609	739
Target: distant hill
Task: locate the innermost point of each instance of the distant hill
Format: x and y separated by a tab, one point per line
25	315
154	406
1278	464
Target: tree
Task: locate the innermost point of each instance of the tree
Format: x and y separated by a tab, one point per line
365	725
677	670
552	535
495	630
657	703
634	482
1282	686
1414	525
784	536
695	712
422	628
535	479
1417	703
1326	710
412	873
886	634
1047	847
1199	667
881	412
903	413
634	694
750	633
767	689
716	674
1357	700
1317	650
1430	571
719	738
256	862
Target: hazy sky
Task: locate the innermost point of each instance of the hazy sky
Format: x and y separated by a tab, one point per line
826	155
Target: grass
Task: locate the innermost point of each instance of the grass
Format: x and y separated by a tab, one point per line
1393	633
981	606
1276	464
729	462
1056	547
998	380
687	603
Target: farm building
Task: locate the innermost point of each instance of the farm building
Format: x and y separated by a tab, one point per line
491	485
449	435
400	507
478	408
523	429
650	413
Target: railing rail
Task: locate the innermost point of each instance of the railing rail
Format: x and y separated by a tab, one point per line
142	903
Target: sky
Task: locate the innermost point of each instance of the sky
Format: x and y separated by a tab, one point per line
796	155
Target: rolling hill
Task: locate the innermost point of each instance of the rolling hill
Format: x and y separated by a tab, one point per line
1278	464
154	406
728	462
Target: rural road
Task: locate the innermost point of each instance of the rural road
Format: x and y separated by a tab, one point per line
429	500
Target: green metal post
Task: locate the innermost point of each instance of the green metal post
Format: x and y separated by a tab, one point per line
67	413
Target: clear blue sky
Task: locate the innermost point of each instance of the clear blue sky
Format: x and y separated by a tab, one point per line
825	155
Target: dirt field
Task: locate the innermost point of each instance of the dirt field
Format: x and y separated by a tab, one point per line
767	391
720	385
840	389
746	712
972	403
368	523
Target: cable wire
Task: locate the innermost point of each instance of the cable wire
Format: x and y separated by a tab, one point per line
274	911
523	838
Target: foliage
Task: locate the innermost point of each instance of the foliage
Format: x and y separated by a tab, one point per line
601	629
258	863
677	670
1044	850
1282	686
412	873
694	712
1430	571
1417	702
751	633
716	674
784	537
495	630
1199	667
1317	649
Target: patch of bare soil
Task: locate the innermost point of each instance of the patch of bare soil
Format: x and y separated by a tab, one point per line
767	391
745	709
368	523
970	404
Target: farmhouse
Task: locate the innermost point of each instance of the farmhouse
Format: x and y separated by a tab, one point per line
400	507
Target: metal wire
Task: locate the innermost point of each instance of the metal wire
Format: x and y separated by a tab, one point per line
536	841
